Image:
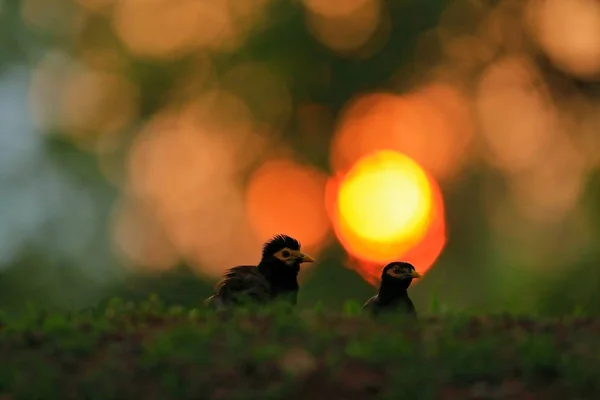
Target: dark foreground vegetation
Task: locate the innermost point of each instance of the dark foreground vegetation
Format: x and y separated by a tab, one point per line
145	351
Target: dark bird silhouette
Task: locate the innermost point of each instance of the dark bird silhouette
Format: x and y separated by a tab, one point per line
275	277
396	277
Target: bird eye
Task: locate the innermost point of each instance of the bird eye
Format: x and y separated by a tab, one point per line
397	270
285	254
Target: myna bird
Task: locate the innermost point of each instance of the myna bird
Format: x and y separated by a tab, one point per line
393	296
275	277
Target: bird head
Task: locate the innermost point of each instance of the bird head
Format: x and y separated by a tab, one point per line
284	250
400	273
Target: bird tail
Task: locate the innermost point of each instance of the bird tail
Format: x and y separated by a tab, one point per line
214	301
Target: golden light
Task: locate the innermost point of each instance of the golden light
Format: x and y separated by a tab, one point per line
287	197
184	168
432	125
334	8
569	32
347	30
384	199
170	28
96	103
517	118
551	188
383	207
423	254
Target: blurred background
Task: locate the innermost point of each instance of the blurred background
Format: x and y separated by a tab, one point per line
148	145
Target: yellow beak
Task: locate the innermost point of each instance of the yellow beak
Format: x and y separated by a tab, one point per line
415	274
304	257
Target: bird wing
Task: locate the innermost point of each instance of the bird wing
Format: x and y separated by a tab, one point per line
370	304
240	284
404	306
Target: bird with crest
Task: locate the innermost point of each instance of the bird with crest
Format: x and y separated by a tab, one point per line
274	278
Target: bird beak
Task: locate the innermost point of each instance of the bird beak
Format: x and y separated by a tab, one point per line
305	257
415	275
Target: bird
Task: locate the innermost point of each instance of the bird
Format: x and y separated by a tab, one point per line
396	277
275	276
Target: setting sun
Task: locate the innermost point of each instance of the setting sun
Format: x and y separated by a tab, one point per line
384	206
385	197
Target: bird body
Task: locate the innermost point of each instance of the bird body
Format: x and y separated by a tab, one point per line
239	284
275	277
401	304
396	277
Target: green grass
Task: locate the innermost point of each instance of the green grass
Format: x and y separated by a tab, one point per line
148	351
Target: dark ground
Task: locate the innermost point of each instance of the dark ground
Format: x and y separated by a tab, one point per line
146	351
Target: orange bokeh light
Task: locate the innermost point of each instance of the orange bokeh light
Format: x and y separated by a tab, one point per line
167	29
286	197
569	33
517	117
334	8
348	27
385	208
432	125
184	167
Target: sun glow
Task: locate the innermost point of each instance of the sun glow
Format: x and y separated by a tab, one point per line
384	207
